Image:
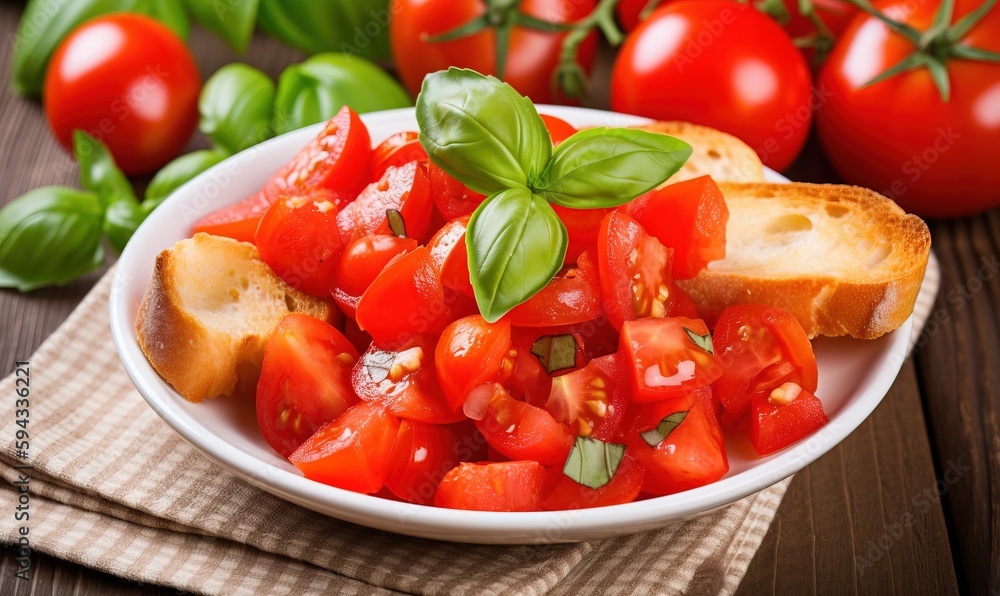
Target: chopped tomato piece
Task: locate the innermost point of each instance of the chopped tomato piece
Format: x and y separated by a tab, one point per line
760	348
298	238
337	159
399	149
352	452
665	359
559	129
238	221
472	352
421	456
472	445
573	296
562	492
362	260
783	416
592	400
403	189
688	456
583	226
634	271
451	256
405	299
452	198
517	429
497	486
690	218
305	381
404	382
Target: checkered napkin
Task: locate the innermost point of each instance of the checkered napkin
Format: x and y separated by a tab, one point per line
114	488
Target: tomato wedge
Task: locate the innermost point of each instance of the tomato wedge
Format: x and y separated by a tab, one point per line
452	198
472	352
634	271
238	221
783	416
592	400
760	348
405	299
305	381
519	430
564	493
573	296
404	382
399	149
403	189
665	359
362	260
451	256
497	486
337	159
352	452
688	456
421	456
689	217
583	227
298	238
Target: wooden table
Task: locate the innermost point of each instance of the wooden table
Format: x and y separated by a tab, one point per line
867	517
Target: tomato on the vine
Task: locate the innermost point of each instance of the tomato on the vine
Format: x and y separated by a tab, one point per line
926	153
750	80
532	55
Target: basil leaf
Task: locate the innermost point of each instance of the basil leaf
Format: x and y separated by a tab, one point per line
314	90
173	175
98	171
481	131
655	436
516	244
232	20
593	463
121	221
702	341
235	106
44	24
605	167
50	235
359	27
555	352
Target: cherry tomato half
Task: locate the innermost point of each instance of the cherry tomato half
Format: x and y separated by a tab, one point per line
665	359
471	352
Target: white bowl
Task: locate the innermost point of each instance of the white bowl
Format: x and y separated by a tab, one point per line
854	376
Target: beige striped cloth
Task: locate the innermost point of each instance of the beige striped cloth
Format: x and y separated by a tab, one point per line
114	488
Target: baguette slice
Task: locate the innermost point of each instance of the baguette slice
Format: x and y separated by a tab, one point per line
208	311
717	154
843	260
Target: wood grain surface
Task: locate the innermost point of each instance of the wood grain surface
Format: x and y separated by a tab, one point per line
909	503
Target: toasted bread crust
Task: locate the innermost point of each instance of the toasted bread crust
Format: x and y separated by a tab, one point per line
718	154
864	303
200	362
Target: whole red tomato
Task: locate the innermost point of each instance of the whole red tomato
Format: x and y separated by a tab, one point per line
720	64
532	55
129	81
935	158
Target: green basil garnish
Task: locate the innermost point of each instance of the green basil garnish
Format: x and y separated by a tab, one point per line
655	436
173	175
516	244
491	139
50	235
236	104
397	225
603	167
481	131
702	341
593	463
232	20
555	352
98	171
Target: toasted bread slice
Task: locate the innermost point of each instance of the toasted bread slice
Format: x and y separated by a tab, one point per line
843	260
208	311
717	154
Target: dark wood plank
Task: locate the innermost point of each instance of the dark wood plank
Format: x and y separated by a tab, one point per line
959	366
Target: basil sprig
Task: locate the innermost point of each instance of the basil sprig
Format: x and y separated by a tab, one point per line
491	139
